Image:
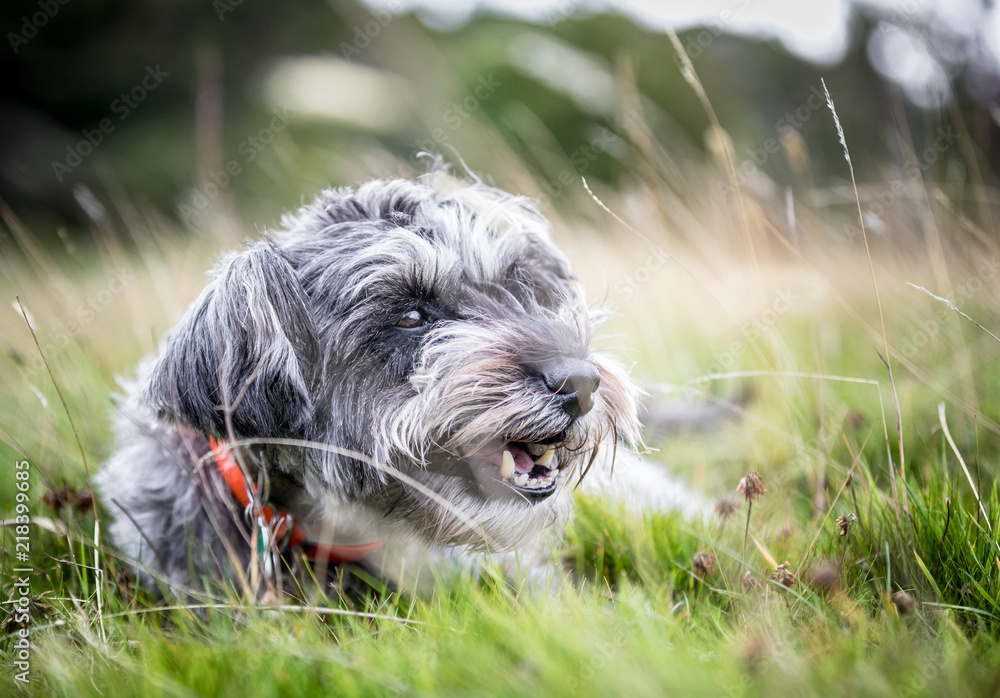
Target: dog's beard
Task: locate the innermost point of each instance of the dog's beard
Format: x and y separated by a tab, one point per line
498	449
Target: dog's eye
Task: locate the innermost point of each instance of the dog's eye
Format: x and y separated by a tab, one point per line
411	319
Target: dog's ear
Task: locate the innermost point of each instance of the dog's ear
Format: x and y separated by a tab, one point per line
245	346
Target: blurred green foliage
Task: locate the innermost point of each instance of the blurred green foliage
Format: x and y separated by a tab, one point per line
63	82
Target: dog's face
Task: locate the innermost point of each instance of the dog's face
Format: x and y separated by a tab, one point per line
440	333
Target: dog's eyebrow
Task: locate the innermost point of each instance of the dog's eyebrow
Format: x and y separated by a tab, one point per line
531	284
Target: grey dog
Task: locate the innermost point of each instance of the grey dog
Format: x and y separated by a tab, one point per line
405	370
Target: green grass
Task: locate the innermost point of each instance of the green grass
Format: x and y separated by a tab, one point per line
634	620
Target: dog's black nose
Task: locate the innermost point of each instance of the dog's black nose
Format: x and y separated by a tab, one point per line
574	379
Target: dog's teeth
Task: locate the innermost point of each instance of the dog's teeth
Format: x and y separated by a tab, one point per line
507	465
521	479
546	458
536	449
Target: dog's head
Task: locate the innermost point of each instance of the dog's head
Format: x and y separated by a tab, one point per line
431	326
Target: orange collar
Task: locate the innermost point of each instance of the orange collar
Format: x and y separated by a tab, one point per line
319	552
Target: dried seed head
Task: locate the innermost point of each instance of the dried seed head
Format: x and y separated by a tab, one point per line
844	524
751	486
782	575
703	563
725	507
904	603
749	582
823	578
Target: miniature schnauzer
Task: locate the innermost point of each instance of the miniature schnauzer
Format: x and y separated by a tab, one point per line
402	375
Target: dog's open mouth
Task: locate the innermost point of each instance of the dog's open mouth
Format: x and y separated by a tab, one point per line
526	469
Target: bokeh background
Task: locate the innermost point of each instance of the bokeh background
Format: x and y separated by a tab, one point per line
517	88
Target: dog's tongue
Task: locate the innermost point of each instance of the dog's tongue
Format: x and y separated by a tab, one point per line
522	460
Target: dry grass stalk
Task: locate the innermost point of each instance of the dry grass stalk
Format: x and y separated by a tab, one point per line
751	487
878	300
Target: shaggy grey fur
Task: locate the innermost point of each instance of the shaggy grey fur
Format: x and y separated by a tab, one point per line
409	331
